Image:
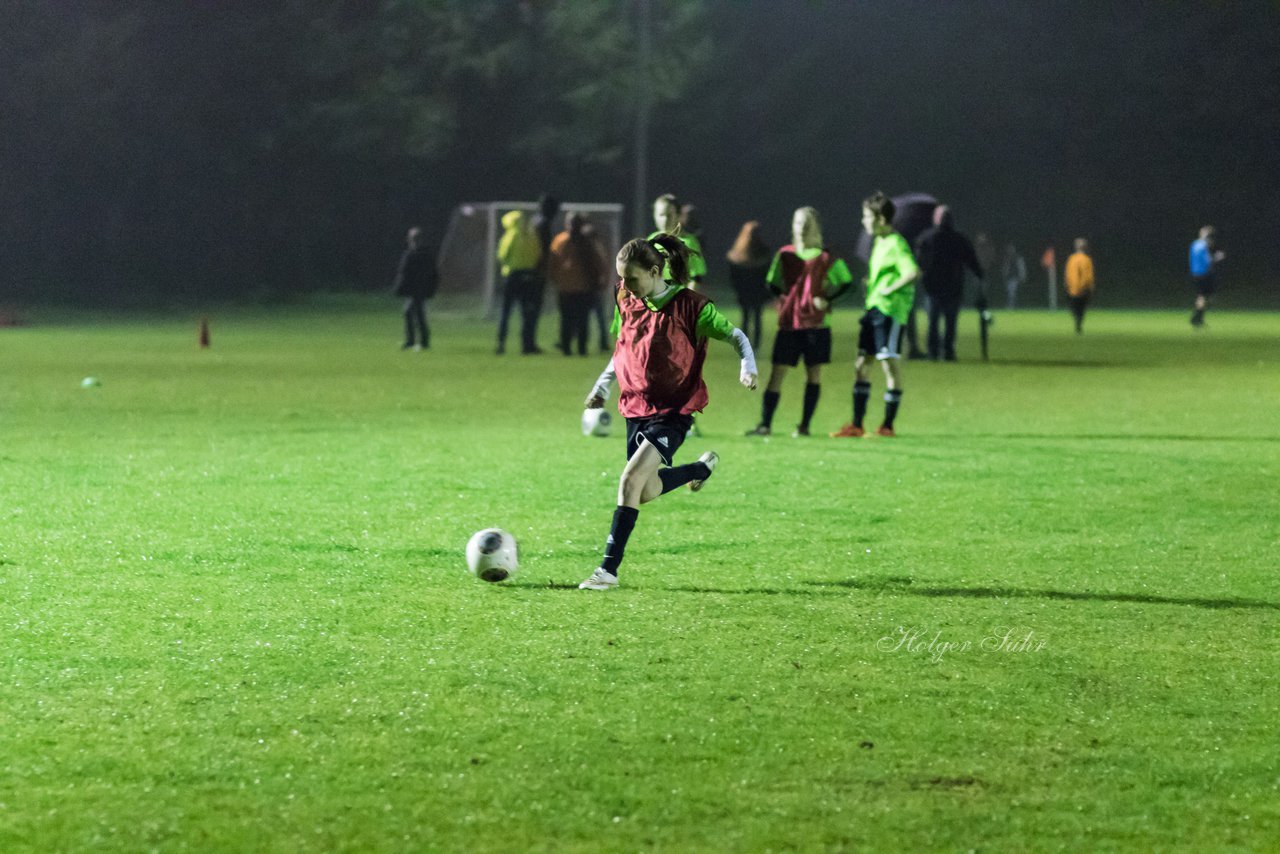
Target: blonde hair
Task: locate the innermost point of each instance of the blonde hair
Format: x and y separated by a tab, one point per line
811	214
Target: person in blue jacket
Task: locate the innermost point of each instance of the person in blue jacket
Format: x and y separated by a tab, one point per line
1204	258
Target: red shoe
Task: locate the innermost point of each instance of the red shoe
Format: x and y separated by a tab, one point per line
885	431
849	431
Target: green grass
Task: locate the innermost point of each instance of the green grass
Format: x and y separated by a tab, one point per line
234	613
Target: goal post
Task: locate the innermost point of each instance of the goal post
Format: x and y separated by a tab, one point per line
468	253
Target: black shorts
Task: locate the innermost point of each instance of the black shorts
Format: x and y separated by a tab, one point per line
1206	285
879	334
664	432
790	344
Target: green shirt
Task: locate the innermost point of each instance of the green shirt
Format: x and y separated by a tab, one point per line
697	263
837	274
891	262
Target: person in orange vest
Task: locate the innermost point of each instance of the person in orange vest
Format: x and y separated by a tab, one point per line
1080	282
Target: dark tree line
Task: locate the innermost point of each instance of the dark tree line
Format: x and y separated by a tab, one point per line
180	151
186	149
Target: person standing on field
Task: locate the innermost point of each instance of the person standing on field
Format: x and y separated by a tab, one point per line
1049	261
544	225
891	276
520	253
662	327
806	277
577	269
943	254
1015	274
595	300
1204	260
1080	282
416	281
748	265
668	216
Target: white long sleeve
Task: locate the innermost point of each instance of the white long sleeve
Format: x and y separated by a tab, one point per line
605	382
742	344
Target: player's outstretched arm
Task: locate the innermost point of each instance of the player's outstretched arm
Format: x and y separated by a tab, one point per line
713	324
748	373
600	391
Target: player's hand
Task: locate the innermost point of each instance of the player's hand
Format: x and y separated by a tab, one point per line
820	303
595	401
748	379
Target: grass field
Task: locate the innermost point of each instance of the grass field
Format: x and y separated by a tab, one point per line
234	613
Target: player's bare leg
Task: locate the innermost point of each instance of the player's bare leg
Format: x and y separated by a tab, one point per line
643	480
892	395
640	483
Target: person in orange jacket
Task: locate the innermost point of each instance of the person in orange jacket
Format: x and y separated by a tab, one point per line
1080	282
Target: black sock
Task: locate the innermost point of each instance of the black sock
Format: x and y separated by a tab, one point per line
892	399
1197	317
624	521
771	399
861	394
812	391
677	476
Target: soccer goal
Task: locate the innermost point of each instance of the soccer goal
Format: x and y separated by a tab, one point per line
468	254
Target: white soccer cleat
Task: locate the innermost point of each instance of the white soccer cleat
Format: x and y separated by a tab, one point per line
600	580
711	458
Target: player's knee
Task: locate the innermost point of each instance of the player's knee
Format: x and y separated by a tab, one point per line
631	484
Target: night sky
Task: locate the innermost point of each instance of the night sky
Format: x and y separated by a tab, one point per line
183	150
1132	124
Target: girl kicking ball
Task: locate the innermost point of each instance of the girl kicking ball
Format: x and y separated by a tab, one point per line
662	327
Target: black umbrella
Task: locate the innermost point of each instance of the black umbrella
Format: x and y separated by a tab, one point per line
912	214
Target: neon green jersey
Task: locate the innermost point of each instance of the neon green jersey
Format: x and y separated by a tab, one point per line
697	264
891	262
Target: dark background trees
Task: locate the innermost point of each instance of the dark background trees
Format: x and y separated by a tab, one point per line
179	151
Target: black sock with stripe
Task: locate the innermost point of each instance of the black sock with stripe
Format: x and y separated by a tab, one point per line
861	394
892	399
624	522
677	476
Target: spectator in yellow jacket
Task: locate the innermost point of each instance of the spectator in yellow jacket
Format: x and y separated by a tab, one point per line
1080	282
519	252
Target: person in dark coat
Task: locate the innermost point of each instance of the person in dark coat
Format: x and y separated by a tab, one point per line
943	253
416	281
748	264
544	225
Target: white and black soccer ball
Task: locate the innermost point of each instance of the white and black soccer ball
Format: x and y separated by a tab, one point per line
492	555
596	422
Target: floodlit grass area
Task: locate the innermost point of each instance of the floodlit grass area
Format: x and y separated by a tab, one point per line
234	613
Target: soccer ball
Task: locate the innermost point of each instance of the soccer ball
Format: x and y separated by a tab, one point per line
491	555
596	422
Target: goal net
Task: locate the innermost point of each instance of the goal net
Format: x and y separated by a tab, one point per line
468	254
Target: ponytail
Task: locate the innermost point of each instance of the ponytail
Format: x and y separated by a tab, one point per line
658	251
